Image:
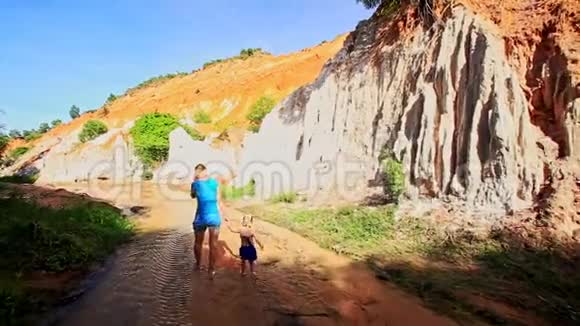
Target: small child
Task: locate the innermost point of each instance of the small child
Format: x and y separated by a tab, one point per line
247	249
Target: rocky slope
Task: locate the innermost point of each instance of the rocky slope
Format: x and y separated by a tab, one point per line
448	100
225	91
480	103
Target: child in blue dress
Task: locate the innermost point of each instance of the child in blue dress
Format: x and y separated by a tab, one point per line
247	248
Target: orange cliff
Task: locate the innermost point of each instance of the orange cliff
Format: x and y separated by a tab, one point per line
226	91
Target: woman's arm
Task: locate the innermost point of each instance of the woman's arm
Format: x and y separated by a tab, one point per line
220	204
232	230
192	192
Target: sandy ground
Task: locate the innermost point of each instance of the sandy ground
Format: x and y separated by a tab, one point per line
151	281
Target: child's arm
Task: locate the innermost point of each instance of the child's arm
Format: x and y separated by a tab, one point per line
258	242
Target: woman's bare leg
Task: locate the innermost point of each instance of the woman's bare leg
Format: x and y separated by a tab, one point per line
213	242
197	248
243	267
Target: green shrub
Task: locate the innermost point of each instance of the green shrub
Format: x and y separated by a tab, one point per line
235	193
250	52
285	197
151	136
56	123
17	152
201	117
212	62
258	112
91	130
394	177
32	135
4	140
254	128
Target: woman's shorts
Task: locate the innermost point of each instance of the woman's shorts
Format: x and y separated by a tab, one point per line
203	227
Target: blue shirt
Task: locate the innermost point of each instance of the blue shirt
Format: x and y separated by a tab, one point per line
206	192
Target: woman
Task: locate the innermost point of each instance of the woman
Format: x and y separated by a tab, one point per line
207	216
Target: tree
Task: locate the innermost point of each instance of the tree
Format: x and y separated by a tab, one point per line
370	4
111	99
74	112
44	127
56	122
15	134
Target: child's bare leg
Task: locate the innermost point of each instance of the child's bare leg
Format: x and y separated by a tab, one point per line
243	267
252	268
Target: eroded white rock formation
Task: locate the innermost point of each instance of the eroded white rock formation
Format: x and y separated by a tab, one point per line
445	102
185	153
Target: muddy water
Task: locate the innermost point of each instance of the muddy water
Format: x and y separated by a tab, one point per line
151	280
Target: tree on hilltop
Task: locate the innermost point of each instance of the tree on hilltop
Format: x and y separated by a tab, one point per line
74	112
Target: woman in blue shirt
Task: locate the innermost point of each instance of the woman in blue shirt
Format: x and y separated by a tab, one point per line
207	216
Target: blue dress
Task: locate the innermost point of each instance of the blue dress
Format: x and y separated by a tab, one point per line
207	214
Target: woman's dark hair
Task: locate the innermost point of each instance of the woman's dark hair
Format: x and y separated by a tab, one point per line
199	169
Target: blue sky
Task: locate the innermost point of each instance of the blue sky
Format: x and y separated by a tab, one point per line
54	54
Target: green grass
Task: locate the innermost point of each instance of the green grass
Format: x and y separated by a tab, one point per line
235	193
244	54
258	112
201	117
32	136
28	179
349	230
16	153
285	197
34	238
442	269
156	80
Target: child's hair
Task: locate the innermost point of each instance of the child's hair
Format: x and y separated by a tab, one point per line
199	169
247	220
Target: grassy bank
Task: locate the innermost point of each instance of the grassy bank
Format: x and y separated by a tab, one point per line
494	280
40	242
